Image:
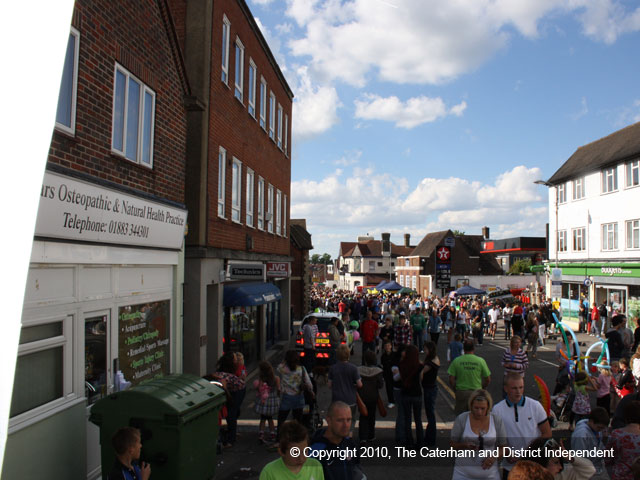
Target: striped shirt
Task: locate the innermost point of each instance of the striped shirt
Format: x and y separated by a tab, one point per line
518	362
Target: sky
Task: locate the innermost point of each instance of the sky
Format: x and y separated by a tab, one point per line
415	116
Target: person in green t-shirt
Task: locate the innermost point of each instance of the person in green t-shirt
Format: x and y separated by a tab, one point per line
419	323
293	464
467	373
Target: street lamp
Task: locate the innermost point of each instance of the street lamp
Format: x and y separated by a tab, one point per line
547	184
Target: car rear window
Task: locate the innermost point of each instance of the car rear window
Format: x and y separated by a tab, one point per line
323	324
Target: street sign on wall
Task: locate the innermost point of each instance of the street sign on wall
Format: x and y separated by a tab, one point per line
556	282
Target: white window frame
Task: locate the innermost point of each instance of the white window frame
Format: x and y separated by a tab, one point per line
269	214
414	282
577	189
73	78
401	282
609	229
632	230
144	91
263	103
236	190
278	212
578	239
253	70
260	203
280	126
610	180
284	216
632	169
222	180
562	241
226	31
239	76
69	394
250	188
562	193
286	134
272	116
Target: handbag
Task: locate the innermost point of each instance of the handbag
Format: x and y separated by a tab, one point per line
381	409
361	406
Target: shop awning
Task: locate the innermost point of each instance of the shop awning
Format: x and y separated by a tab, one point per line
250	294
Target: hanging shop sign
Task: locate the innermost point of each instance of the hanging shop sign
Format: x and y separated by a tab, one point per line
277	269
143	341
77	210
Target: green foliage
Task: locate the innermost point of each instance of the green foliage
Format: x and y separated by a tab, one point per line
520	266
324	259
457	233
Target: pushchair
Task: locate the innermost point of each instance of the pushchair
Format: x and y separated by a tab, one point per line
311	413
561	404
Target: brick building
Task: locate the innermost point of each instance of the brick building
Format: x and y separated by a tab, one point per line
300	268
237	286
107	254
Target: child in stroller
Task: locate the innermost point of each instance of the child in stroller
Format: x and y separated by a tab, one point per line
561	404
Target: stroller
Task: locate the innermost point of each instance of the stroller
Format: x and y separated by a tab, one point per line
311	413
561	404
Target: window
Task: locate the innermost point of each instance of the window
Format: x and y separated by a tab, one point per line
44	358
239	80
401	282
284	216
250	197
66	113
562	241
222	165
263	104
260	203
562	193
579	239
133	118
610	180
279	126
269	215
372	265
413	282
578	188
236	190
633	234
252	88
272	116
633	173
226	28
610	236
286	134
278	212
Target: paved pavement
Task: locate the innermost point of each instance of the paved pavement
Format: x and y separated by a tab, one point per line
247	457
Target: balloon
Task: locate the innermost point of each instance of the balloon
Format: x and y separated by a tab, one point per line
356	335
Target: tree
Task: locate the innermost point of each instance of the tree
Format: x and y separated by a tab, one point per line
315	258
324	259
457	233
520	266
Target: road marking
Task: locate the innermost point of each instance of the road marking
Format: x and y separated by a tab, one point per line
390	424
446	387
548	363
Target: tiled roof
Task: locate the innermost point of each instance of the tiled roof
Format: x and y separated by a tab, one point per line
300	237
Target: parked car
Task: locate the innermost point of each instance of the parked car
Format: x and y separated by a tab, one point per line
323	344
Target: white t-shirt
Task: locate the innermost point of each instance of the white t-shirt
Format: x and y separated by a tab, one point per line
493	315
522	432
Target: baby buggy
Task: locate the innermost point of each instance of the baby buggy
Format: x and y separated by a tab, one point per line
561	404
311	413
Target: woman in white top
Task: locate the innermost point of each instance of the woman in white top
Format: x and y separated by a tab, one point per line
475	431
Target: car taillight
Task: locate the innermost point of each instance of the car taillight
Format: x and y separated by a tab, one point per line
302	354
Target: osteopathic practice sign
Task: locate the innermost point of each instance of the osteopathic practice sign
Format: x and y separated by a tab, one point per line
76	210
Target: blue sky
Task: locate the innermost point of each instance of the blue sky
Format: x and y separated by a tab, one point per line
414	116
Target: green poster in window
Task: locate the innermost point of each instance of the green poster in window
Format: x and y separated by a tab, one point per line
143	341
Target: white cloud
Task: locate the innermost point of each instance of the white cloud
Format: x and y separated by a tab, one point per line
431	41
409	114
261	2
584	109
314	107
349	159
342	206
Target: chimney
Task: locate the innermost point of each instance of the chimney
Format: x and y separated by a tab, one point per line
407	239
485	233
386	243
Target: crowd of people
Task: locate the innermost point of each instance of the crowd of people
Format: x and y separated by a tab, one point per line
399	336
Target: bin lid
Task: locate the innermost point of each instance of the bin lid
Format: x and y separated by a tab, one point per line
171	395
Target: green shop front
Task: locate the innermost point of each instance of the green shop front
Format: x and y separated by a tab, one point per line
615	284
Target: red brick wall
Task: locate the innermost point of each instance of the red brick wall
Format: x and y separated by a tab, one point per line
233	128
134	35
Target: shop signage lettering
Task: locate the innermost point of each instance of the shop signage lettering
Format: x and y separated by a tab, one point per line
246	271
611	271
77	210
143	341
278	269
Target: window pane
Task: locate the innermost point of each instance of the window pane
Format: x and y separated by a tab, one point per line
118	113
38	380
40	332
65	97
147	125
133	115
95	358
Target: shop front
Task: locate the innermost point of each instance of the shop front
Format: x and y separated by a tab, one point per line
101	313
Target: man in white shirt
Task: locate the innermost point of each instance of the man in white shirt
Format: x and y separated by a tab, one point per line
494	313
524	418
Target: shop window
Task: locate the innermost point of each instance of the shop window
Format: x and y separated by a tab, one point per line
610	180
633	302
43	377
633	173
95	358
240	332
633	234
610	236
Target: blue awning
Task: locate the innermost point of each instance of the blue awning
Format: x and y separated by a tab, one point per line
250	294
